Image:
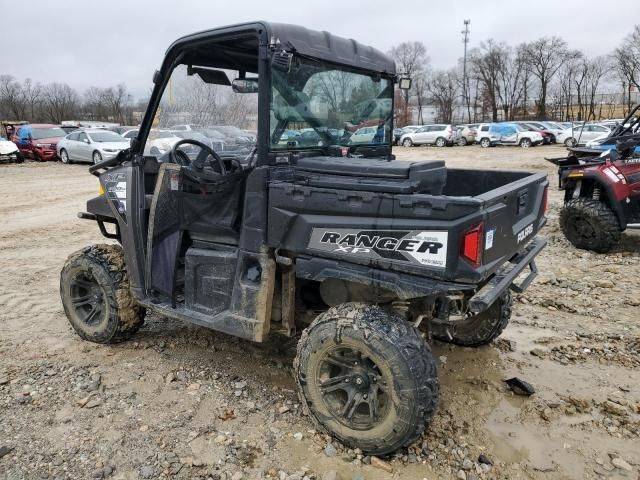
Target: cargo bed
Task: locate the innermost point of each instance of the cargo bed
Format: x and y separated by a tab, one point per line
327	206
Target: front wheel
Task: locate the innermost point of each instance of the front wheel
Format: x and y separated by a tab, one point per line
477	330
441	142
94	288
97	157
485	143
590	225
462	142
367	377
525	143
407	142
64	156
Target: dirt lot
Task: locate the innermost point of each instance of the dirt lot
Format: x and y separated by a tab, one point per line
182	402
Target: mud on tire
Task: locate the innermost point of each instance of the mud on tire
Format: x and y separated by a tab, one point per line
364	353
94	288
590	225
479	329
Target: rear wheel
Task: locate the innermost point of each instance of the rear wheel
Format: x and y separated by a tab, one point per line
441	142
570	142
19	157
64	156
525	143
94	288
407	142
590	225
367	377
478	329
485	143
462	142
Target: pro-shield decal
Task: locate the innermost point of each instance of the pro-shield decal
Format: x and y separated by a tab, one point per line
415	246
116	190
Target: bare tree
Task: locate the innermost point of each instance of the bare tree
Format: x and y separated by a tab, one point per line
545	56
443	90
627	63
487	64
60	102
411	58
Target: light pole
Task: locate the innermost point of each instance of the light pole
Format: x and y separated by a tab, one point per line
465	92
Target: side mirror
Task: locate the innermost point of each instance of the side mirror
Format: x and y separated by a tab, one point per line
245	85
86	140
404	83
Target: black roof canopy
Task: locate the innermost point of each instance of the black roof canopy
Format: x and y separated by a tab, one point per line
242	40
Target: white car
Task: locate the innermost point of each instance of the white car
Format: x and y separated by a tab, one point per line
186	128
90	146
158	143
363	135
582	134
9	151
485	137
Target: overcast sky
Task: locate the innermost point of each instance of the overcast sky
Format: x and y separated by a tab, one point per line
103	43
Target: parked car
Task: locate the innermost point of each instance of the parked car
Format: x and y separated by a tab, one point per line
547	136
546	126
185	128
38	141
467	134
69	128
485	137
90	146
120	129
439	135
217	145
398	132
9	152
572	137
514	134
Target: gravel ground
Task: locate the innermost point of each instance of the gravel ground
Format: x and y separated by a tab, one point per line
180	401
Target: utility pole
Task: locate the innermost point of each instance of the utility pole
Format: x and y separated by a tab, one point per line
465	87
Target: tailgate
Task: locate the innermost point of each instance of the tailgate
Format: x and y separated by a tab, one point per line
514	213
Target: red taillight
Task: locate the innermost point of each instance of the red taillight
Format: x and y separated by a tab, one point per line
472	245
545	198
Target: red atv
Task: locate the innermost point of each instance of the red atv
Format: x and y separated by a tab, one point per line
601	191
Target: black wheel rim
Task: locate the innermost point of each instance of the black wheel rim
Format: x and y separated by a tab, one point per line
87	299
353	388
582	229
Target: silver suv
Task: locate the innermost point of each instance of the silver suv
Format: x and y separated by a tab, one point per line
439	135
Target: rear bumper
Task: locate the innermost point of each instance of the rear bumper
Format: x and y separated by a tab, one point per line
505	276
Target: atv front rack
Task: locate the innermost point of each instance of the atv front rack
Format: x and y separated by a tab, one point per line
505	276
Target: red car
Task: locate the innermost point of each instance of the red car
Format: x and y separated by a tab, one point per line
38	141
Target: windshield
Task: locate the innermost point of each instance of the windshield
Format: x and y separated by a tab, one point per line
102	137
316	104
39	133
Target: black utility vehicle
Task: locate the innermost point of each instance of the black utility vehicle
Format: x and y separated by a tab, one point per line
368	256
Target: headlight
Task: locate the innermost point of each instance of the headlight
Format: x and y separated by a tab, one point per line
42	145
109	150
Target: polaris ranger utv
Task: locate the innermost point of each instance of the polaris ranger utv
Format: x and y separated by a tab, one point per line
316	228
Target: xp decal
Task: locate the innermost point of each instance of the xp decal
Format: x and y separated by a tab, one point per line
423	248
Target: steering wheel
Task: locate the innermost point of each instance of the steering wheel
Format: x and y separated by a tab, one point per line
196	168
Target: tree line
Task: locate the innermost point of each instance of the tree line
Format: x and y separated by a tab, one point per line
542	79
57	102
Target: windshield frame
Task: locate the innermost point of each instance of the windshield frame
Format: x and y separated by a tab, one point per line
322	130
